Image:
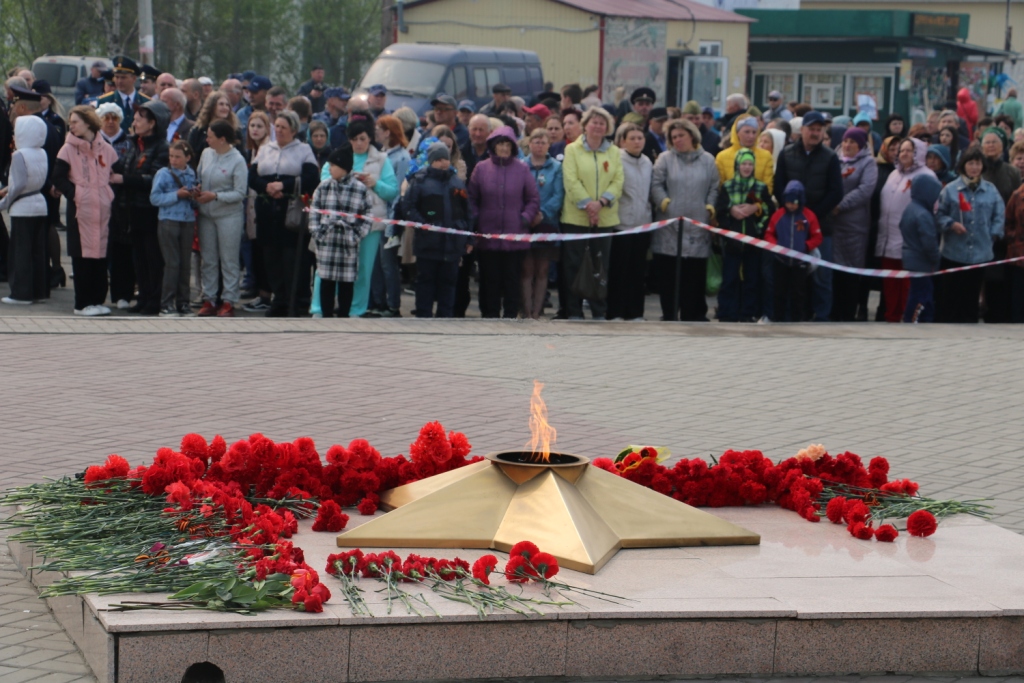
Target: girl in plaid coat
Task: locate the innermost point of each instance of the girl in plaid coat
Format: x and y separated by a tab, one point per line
336	238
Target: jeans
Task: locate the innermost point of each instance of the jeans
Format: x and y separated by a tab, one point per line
572	259
740	295
176	248
220	242
368	248
920	303
246	258
821	284
435	282
386	286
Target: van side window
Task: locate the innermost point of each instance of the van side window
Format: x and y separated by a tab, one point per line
536	82
515	78
455	84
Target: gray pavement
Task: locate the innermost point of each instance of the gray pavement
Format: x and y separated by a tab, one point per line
941	402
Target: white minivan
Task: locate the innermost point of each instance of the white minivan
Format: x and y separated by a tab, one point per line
62	73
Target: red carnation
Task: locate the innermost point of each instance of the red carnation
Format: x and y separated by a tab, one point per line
606	464
179	493
886	533
321	591
368	505
861	531
330	517
834	510
855	511
525	549
116	466
546	564
921	523
483	567
519	570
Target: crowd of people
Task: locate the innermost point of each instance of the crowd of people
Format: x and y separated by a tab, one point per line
281	204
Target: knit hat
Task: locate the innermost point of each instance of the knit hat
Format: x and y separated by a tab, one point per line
748	122
342	157
691	108
858	135
744	155
996	130
437	152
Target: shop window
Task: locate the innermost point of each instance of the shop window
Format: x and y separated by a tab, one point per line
874	86
784	83
823	91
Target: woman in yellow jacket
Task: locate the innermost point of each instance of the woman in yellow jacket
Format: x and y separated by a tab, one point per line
744	134
592	175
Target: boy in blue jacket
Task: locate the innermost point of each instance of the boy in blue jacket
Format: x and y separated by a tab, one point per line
173	190
437	196
920	253
796	227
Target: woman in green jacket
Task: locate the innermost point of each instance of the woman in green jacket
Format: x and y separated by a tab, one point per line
593	176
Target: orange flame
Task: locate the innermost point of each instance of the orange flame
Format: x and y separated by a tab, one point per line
542	434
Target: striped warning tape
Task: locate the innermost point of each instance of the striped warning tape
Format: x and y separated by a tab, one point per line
650	227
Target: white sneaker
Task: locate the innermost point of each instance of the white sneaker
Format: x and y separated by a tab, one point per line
393	242
123	304
16	302
764	320
91	311
103	310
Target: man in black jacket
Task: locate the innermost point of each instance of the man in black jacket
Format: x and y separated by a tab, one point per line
816	166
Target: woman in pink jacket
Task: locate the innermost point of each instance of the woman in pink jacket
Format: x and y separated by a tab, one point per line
82	174
894	198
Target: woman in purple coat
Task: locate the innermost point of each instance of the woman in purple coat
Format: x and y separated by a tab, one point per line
503	198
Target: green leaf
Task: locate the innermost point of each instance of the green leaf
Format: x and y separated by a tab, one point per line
224	595
191	591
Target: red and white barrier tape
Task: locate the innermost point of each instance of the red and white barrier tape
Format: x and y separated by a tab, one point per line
650	227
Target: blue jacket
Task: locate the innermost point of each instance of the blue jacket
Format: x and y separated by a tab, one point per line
437	197
164	194
984	221
918	226
552	191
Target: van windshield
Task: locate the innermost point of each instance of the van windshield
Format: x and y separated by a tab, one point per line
405	76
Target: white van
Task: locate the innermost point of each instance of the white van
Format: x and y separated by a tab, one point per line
63	72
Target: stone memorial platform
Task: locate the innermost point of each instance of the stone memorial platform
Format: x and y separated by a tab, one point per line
809	600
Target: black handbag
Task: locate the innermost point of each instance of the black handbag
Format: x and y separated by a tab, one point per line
591	281
295	215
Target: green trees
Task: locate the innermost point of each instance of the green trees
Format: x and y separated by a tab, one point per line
280	38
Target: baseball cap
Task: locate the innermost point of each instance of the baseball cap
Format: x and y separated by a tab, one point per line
500	87
659	113
444	99
813	117
257	83
539	110
99	64
377	89
248	75
774	95
338	92
467	105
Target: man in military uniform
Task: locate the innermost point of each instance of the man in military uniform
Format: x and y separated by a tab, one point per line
126	71
149	75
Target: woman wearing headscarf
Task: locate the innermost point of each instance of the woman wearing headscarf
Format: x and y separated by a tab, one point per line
685	185
851	220
503	198
147	155
593	176
23	200
894	198
1006	179
119	239
774	141
273	175
967	110
82	174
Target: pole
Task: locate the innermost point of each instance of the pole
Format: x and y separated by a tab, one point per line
146	31
1009	30
679	269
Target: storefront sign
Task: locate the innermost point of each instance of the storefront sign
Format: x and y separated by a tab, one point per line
936	25
634	55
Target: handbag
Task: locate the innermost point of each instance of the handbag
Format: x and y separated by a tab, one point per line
591	281
295	214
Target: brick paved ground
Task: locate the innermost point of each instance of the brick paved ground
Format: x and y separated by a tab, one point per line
941	402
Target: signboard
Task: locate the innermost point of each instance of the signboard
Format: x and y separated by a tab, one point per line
634	56
936	25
